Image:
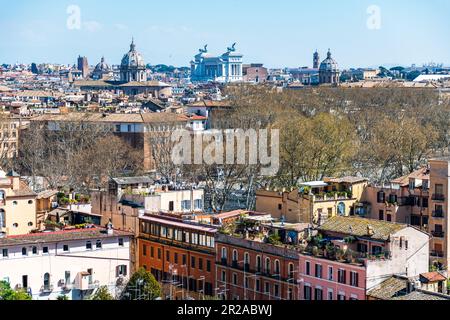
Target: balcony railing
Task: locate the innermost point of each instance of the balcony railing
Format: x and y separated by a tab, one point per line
93	285
67	286
438	214
438	234
47	288
223	261
438	254
438	197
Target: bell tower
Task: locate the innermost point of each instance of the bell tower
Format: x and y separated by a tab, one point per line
316	60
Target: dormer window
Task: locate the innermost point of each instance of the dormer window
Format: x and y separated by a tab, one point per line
412	184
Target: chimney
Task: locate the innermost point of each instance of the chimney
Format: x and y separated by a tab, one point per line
370	231
14	178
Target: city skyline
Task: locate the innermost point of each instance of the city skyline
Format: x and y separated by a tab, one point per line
401	34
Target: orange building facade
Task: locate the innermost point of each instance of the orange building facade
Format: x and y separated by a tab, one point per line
179	254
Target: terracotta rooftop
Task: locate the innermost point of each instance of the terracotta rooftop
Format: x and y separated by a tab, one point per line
422	295
230	214
153	117
395	288
422	173
388	289
359	227
433	276
211	104
347	179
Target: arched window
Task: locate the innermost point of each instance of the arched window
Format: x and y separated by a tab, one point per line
246	261
341	209
291	271
267	269
47	280
258	264
277	267
2	218
224	253
235	256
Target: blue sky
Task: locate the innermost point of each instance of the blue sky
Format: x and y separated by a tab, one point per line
277	33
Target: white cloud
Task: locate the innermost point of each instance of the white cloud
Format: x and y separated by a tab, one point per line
92	26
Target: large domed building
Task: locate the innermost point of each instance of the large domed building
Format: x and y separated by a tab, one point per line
102	70
131	81
132	67
329	70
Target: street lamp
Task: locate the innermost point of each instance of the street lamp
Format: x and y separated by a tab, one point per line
292	280
254	276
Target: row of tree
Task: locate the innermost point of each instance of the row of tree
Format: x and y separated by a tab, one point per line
379	133
80	156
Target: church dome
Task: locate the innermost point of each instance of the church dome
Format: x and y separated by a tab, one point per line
102	66
329	64
133	58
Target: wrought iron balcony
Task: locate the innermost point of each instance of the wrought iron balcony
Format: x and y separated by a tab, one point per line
438	254
438	234
438	197
438	214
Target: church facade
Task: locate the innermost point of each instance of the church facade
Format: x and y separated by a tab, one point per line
225	68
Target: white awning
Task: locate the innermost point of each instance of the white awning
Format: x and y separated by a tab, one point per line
314	184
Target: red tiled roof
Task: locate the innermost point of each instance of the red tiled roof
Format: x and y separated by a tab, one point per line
433	276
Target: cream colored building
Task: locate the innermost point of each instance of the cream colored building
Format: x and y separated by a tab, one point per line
439	223
10	128
420	199
175	201
74	263
315	201
17	205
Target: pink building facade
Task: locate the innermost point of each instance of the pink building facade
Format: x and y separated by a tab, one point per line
322	279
